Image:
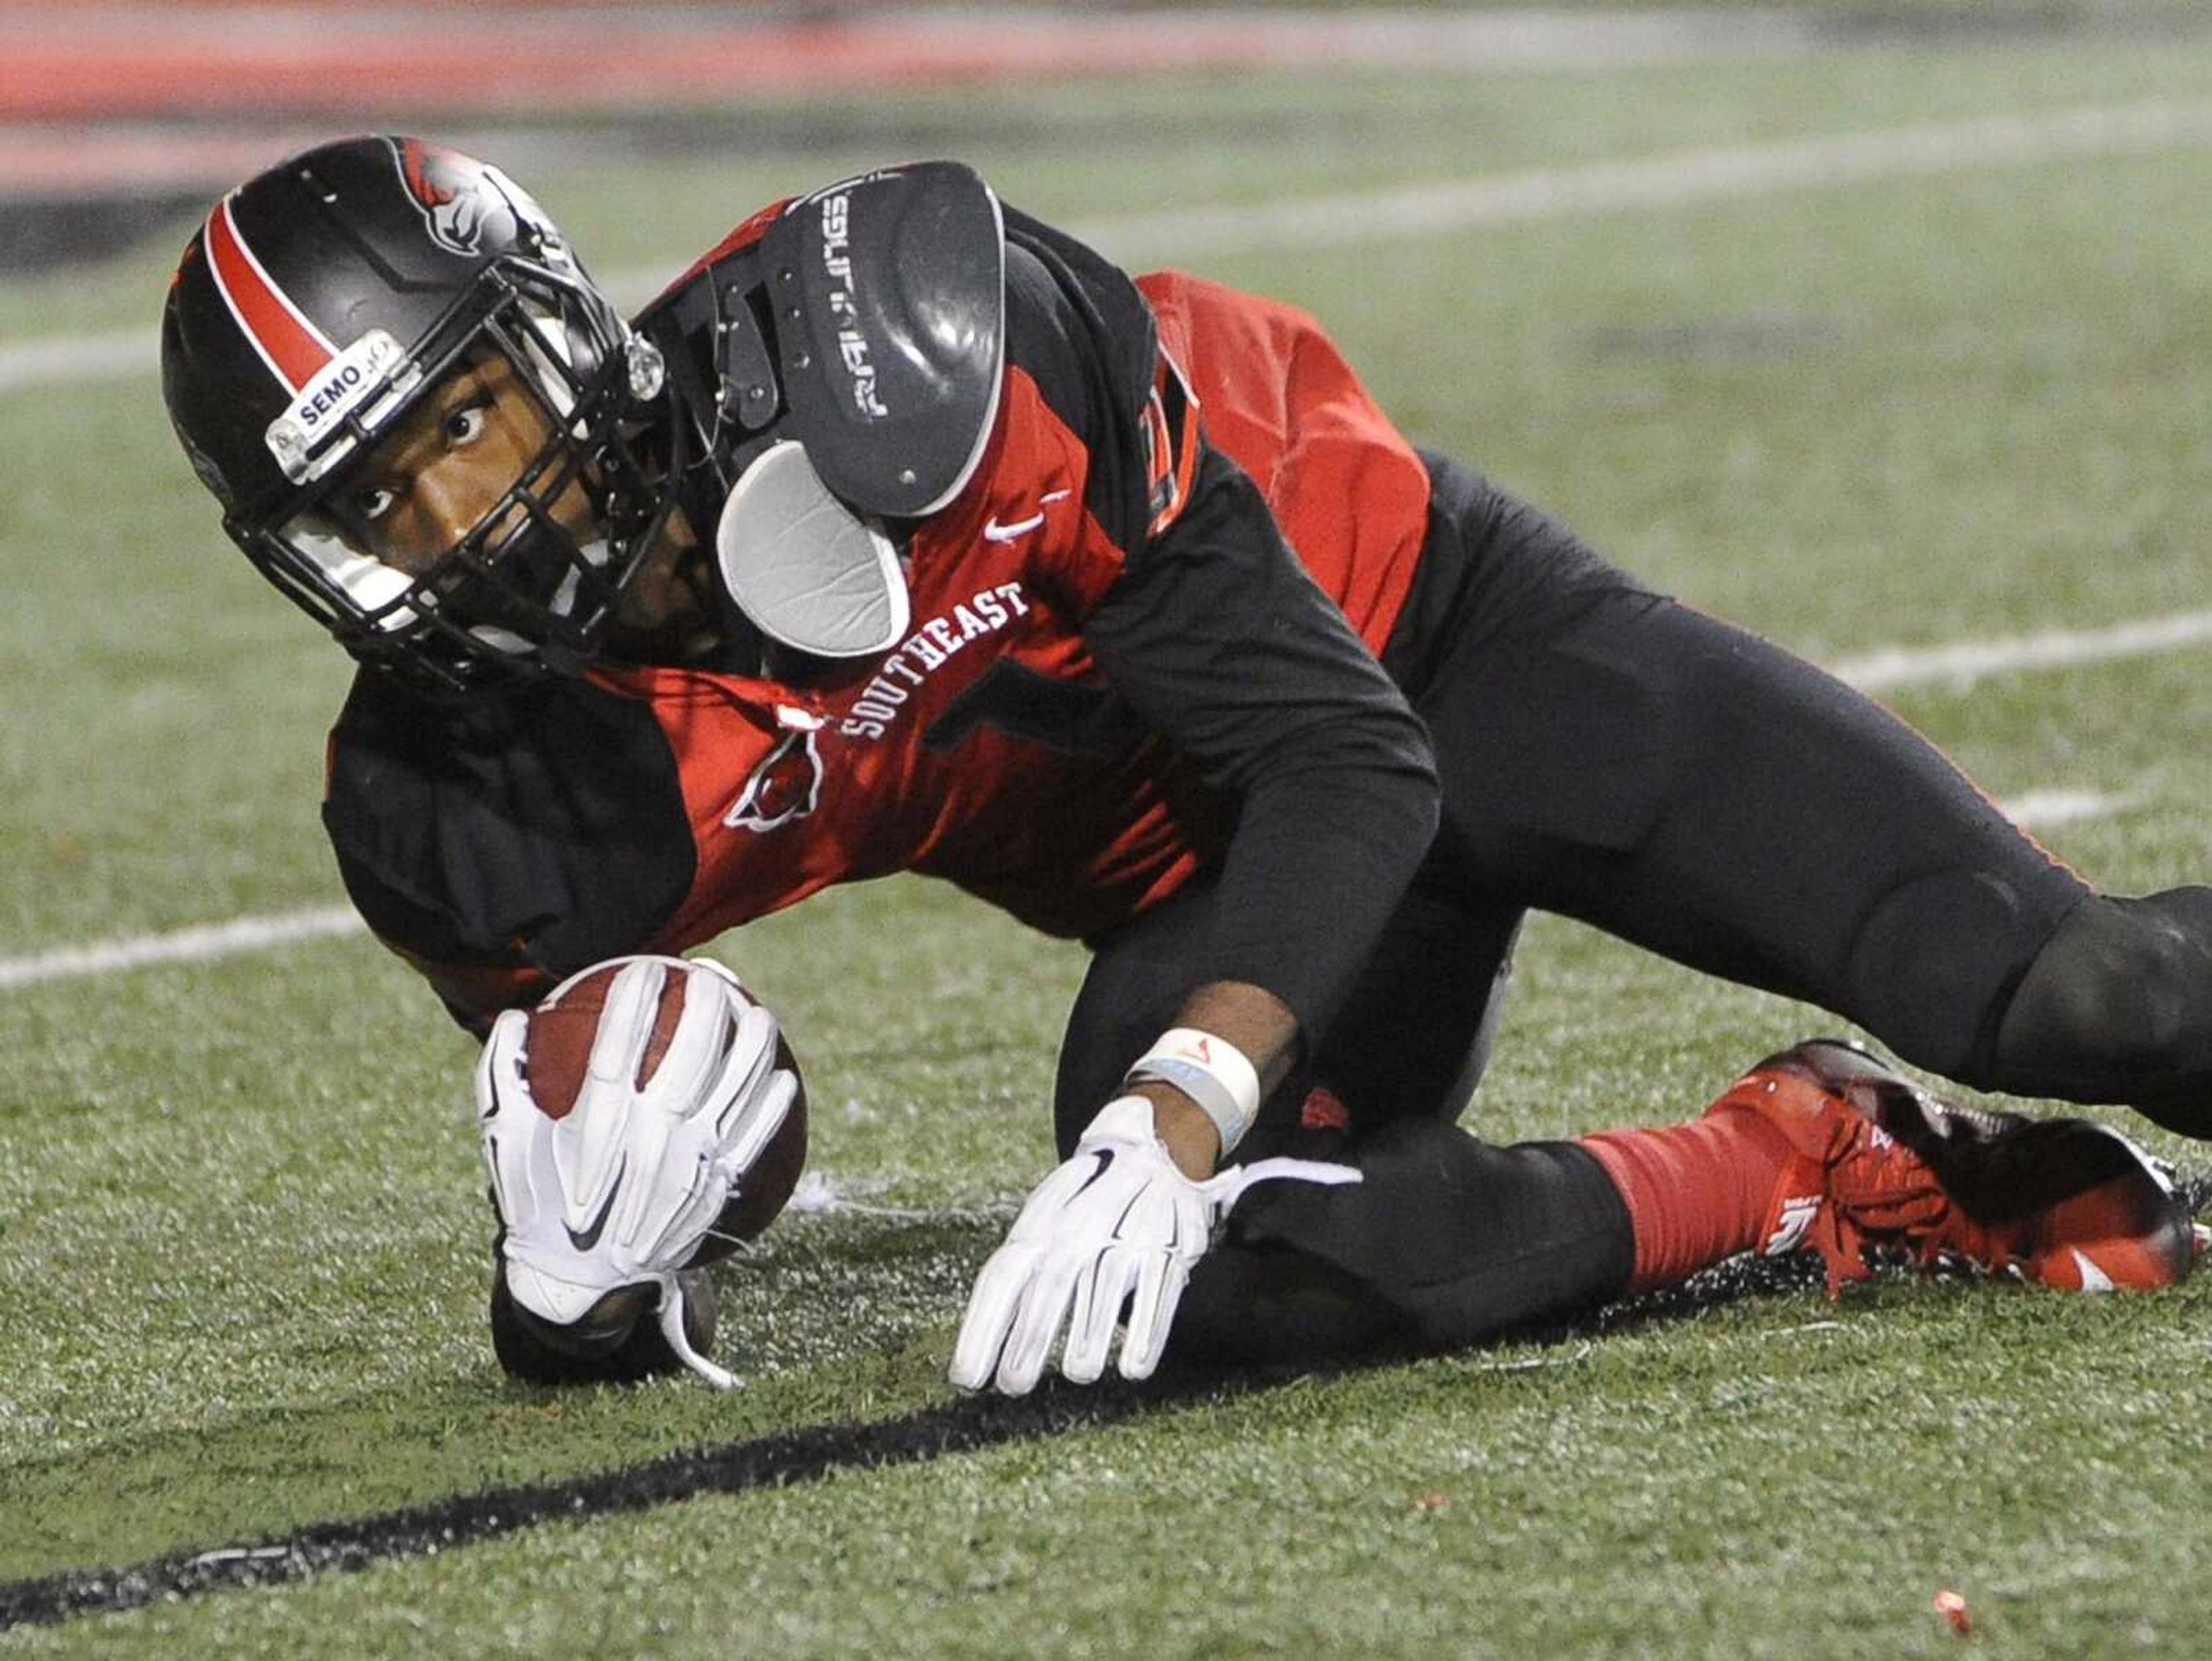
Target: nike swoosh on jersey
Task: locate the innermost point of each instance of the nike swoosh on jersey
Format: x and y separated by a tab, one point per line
995	533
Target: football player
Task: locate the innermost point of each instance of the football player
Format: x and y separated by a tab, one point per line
903	532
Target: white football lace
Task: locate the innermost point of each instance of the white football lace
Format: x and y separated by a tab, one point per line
671	1328
672	1305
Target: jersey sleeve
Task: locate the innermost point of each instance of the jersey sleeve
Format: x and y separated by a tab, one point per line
1218	637
499	843
1222	642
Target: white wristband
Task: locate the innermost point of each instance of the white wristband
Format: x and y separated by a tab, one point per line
1212	1071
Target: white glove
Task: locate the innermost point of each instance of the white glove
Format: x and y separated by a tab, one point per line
1119	1220
625	1187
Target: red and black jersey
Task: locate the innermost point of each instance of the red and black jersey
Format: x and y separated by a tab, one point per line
1144	644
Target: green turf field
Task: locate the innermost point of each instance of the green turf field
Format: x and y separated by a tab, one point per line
242	1240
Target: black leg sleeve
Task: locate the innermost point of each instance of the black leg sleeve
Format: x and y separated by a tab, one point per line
1610	755
1702	793
1444	1241
2117	1006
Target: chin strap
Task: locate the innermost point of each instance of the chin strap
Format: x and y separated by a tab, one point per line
672	1313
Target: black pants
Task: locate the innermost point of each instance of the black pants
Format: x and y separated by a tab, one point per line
1616	757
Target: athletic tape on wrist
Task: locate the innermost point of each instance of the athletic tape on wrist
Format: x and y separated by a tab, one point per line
1212	1071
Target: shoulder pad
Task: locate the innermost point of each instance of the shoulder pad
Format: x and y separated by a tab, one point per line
890	297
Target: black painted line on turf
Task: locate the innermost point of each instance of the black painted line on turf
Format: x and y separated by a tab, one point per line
776	1461
737	1468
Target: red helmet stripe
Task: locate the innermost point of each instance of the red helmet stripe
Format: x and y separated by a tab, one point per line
293	348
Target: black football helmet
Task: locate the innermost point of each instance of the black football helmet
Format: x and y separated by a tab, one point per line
319	302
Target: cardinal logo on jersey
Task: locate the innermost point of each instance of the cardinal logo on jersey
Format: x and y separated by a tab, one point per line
785	786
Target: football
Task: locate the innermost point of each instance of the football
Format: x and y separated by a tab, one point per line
559	1050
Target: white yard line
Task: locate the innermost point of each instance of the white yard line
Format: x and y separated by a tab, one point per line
2039	809
1962	663
195	945
1837	161
1958	664
76	359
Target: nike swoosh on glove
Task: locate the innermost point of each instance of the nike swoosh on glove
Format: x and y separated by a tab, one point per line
1118	1223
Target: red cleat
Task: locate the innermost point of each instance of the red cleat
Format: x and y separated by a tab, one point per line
1876	1162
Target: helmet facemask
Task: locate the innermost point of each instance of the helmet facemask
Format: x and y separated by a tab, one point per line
524	588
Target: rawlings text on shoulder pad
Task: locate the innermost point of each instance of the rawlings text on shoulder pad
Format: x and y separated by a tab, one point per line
889	298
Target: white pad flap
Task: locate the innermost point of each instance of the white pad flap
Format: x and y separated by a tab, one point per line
804	567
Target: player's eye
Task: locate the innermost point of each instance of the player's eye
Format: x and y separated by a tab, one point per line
466	424
372	502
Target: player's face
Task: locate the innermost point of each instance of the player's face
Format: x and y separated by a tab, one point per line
430	480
